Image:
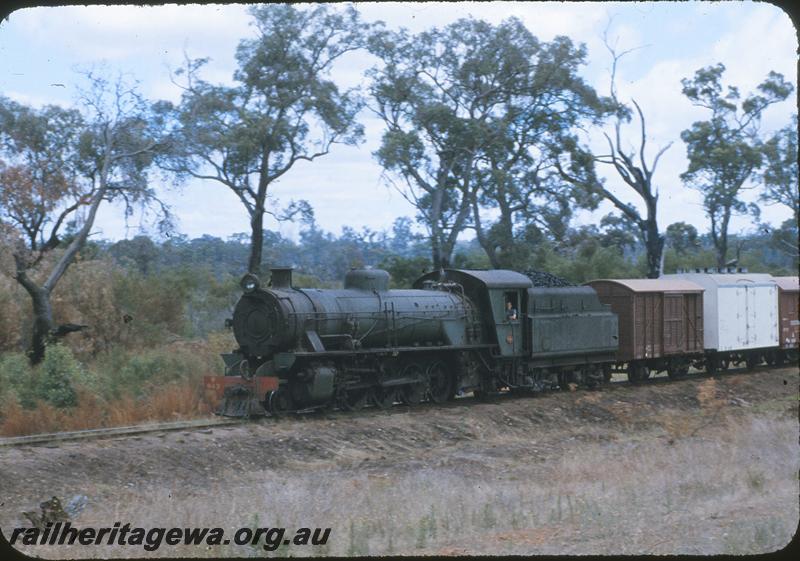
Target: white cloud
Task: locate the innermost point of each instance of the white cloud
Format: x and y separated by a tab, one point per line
39	46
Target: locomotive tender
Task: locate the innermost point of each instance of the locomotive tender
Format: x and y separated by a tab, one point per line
479	331
367	344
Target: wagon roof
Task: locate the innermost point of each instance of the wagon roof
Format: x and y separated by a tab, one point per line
723	280
791	284
655	285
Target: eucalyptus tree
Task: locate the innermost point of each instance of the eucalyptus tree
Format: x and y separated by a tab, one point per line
780	177
282	109
632	167
475	114
530	131
57	167
429	143
725	151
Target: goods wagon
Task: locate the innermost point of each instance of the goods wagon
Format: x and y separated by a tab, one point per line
740	316
660	324
788	303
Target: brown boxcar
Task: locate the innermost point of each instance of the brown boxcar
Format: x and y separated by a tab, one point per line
788	302
660	323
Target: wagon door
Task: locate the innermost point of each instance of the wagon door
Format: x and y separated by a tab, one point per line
673	323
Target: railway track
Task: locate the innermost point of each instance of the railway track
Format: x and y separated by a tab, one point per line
196	424
111	432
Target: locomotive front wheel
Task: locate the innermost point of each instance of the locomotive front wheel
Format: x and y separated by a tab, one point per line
440	385
278	402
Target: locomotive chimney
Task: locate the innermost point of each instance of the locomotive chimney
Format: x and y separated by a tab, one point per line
281	277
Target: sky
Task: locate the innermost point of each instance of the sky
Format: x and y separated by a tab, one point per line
42	49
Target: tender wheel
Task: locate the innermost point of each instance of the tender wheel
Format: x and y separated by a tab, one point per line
752	361
678	370
413	394
384	398
715	365
638	373
607	373
440	385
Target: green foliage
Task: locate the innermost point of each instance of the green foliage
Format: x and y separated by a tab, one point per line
780	174
476	116
53	381
57	375
403	271
138	373
16	380
725	150
283	108
682	238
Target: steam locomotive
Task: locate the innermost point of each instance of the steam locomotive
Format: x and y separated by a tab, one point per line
455	331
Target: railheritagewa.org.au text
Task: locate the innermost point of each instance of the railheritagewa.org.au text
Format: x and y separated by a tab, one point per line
270	539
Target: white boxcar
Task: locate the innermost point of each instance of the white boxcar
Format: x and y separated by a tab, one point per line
740	310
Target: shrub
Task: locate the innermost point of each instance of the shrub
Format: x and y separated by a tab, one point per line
17	380
59	370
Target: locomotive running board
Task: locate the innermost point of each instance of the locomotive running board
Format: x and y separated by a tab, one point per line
391	350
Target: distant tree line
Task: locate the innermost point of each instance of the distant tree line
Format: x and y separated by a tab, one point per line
485	132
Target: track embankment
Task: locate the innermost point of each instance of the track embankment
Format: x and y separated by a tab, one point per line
706	465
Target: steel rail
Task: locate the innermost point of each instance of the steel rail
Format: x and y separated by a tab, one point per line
110	432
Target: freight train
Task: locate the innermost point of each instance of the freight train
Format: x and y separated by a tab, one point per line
486	331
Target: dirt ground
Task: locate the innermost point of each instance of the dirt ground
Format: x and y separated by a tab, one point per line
701	466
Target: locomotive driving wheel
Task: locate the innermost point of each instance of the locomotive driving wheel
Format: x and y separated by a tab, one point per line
440	384
383	398
412	394
353	400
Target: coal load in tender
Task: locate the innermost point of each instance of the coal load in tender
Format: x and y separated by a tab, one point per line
545	279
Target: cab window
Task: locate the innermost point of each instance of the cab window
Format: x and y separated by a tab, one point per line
511	311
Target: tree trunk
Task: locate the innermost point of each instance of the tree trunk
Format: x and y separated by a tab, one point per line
654	244
506	259
256	242
722	251
483	240
42	324
722	239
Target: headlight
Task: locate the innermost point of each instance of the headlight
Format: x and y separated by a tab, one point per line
250	282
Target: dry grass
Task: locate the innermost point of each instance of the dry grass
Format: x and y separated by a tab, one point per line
731	490
172	402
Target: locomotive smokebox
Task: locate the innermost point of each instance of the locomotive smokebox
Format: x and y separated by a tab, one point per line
281	277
